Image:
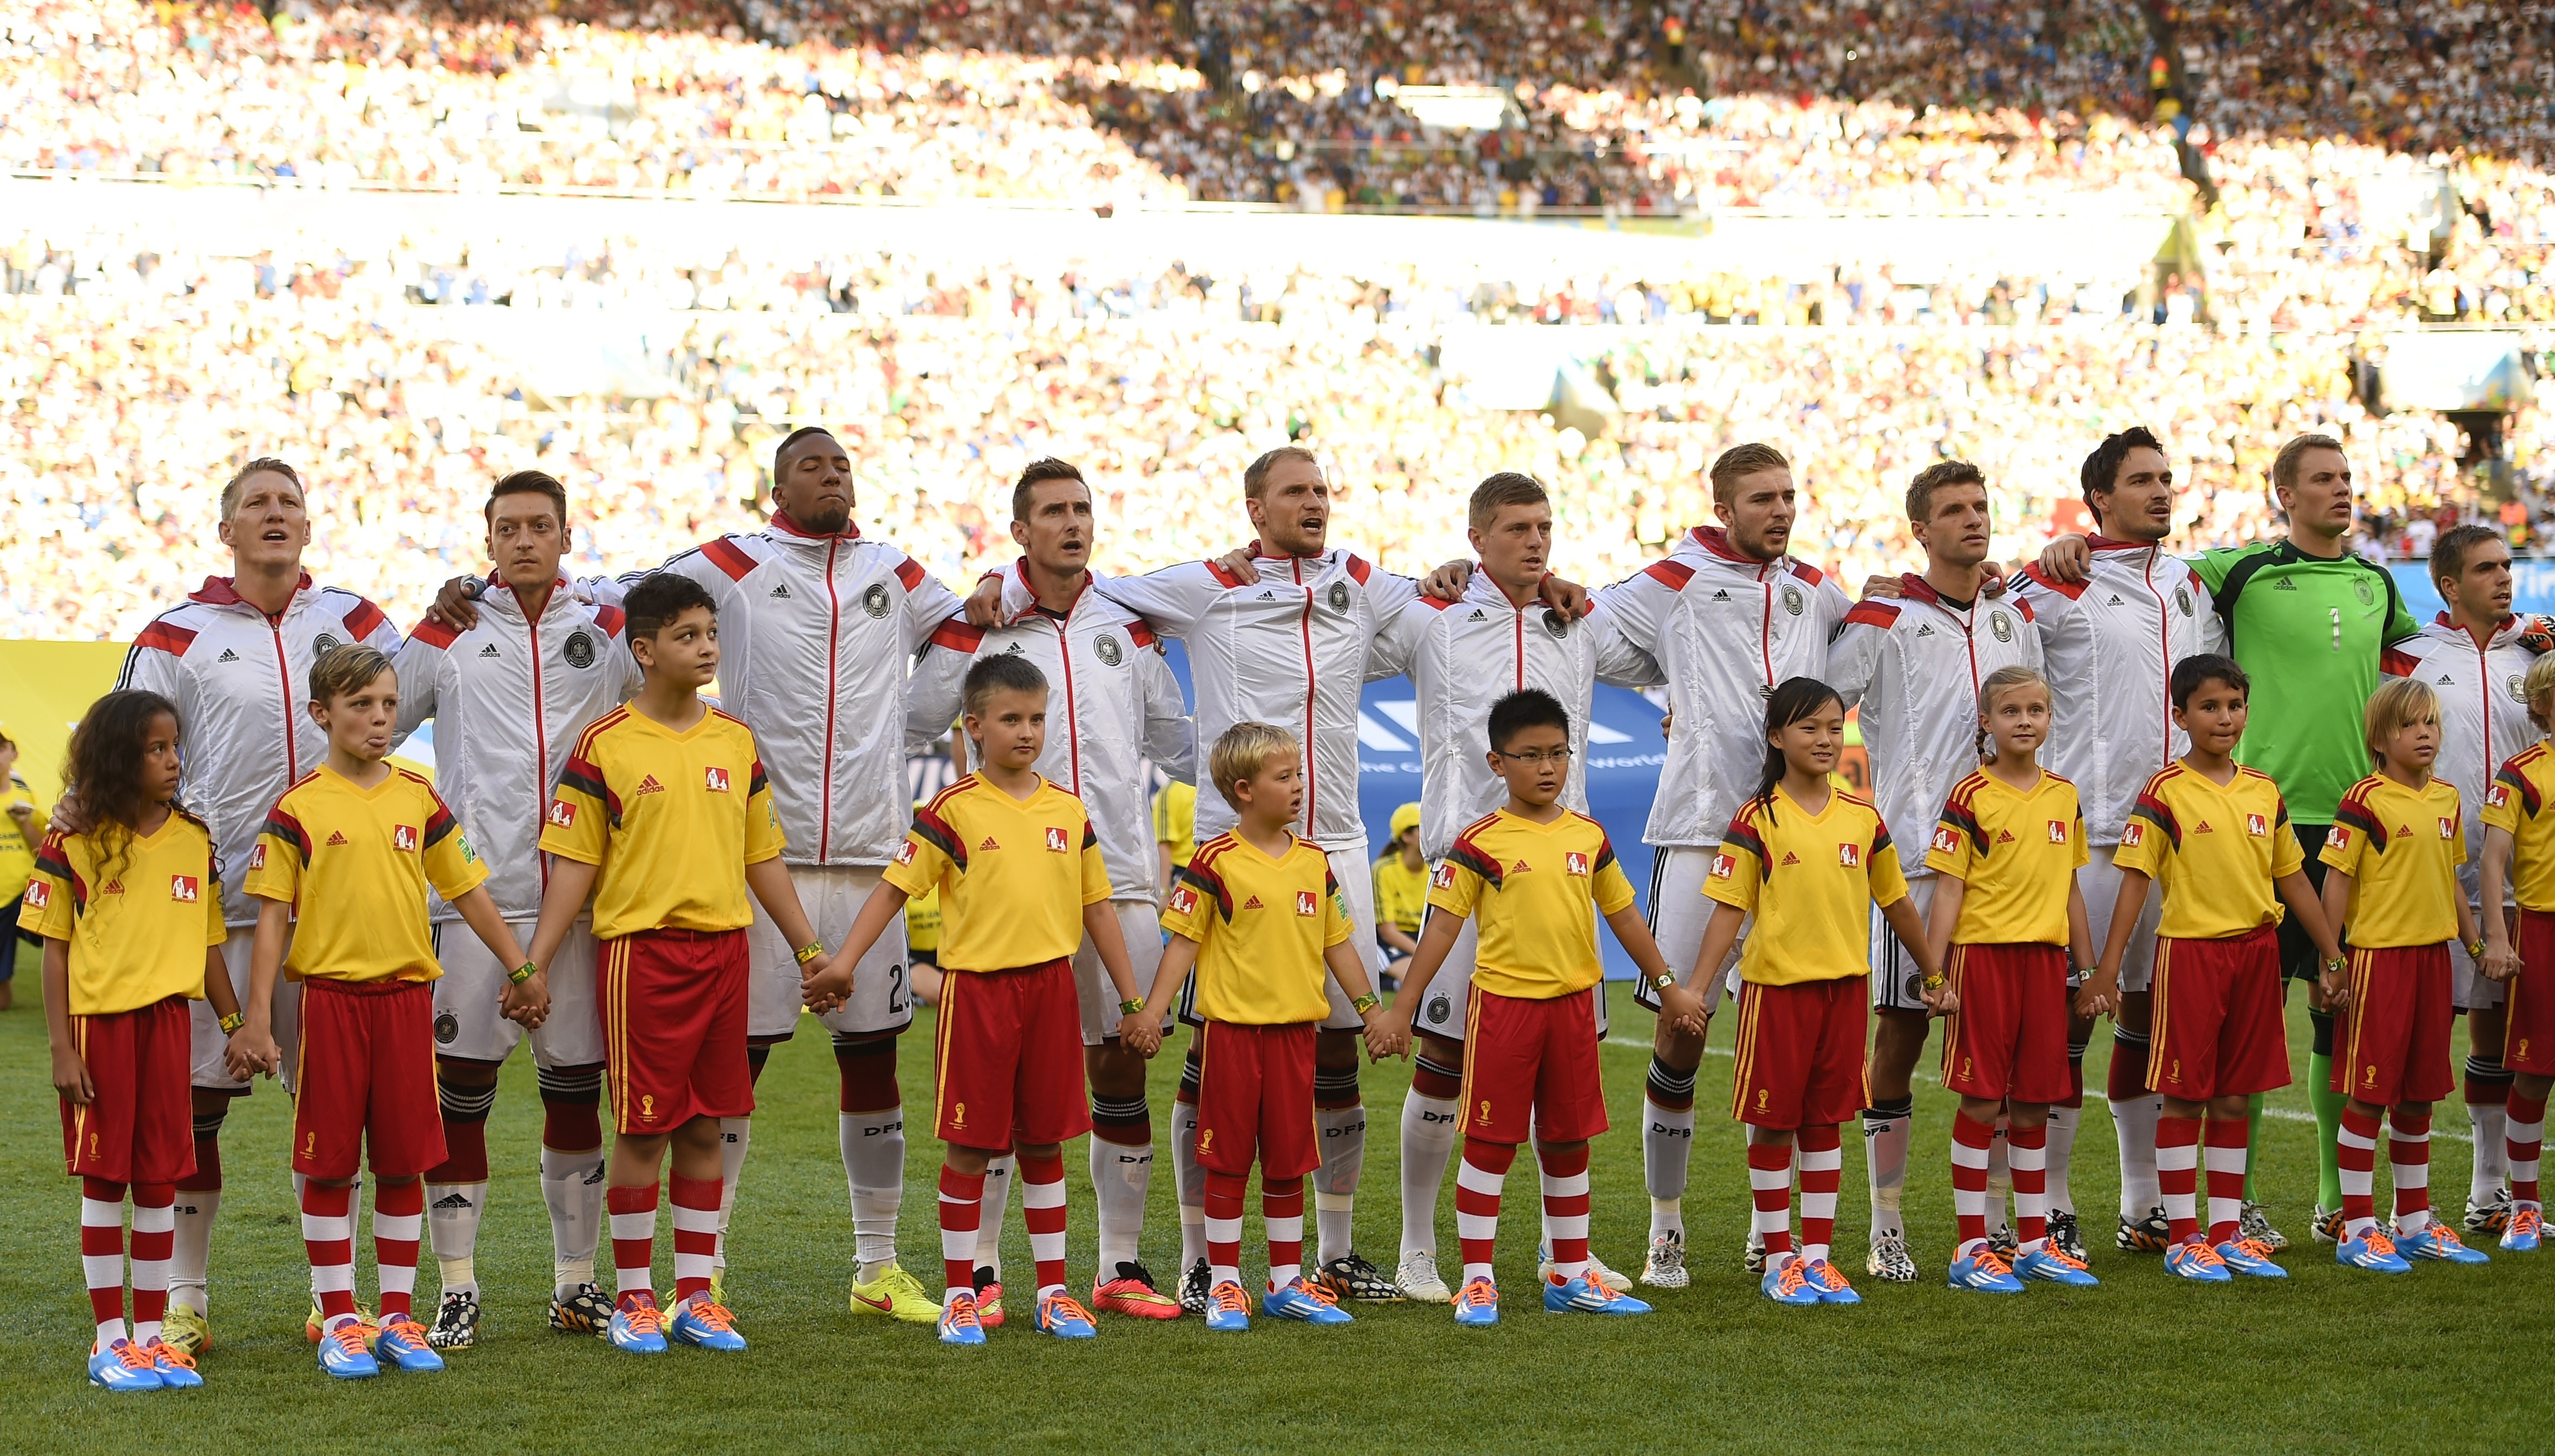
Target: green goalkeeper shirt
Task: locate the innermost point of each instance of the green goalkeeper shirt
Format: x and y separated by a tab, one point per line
2310	633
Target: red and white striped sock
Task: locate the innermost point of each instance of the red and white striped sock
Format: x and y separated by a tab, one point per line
2225	1156
1043	1209
1770	1183
1822	1167
329	1238
1970	1181
2178	1175
962	1201
1281	1208
2028	1154
398	1223
2525	1130
696	1232
634	1241
1478	1183
1565	1209
154	1236
102	1254
2409	1162
2355	1154
1224	1227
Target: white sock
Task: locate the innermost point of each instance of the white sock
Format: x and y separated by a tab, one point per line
2063	1122
1667	1144
1885	1155
1121	1176
873	1148
2000	1178
572	1187
192	1247
1343	1133
1428	1145
735	1134
2134	1120
452	1213
1189	1185
2491	1124
999	1177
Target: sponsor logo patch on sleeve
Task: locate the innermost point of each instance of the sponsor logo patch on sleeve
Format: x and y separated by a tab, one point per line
40	894
1724	865
904	853
563	813
2498	796
1946	838
1183	899
1444	879
2132	834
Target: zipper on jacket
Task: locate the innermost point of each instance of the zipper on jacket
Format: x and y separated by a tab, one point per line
833	666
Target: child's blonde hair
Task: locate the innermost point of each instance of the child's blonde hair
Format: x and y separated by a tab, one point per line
1244	752
344	668
1995	685
2535	689
2398	702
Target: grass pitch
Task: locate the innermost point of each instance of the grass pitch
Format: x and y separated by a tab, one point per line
2444	1358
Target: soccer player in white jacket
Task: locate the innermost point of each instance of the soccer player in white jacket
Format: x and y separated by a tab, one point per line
235	658
1914	665
817	625
1462	656
509	698
1727	615
1114	714
2474	656
2110	642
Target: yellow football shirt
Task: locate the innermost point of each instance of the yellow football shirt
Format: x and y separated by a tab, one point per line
1014	874
1400	893
354	864
136	936
2016	854
2214	850
2515	803
673	818
1539	890
1175	820
1261	925
1811	880
18	846
2402	848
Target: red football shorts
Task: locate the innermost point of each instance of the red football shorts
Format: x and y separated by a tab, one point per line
139	1125
2393	1037
1255	1086
365	1086
675	1014
1008	1059
2009	1036
2217	1029
1527	1056
2529	1043
1800	1052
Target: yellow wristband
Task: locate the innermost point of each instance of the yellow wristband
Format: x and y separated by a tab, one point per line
1366	1003
1934	982
522	973
810	951
232	1022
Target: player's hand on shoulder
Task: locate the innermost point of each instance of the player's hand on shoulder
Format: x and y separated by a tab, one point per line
2067	558
68	820
1883	589
1996	581
984	605
1447	582
457	603
70	1077
1567	597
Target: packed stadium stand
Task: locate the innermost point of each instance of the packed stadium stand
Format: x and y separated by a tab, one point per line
412	246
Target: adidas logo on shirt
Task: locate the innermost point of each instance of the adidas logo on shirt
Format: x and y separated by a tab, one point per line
1269	596
2115	601
2284	584
989	843
1925	631
648	784
489	651
2204	829
1476	616
1253	904
1521	868
227	657
2005	836
1721	596
335	838
781	592
1790	858
2446	679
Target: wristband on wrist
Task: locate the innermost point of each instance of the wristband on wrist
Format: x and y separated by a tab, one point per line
810	951
1366	1003
1130	1006
522	973
1663	981
2474	949
232	1022
1934	982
